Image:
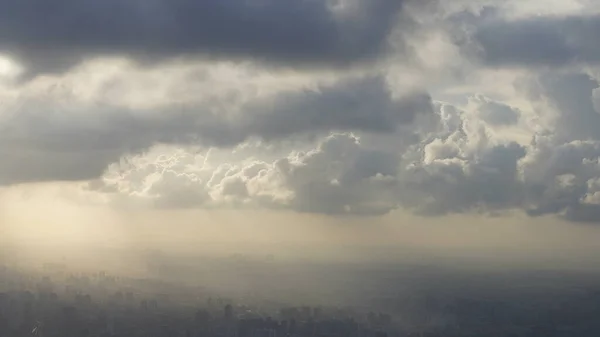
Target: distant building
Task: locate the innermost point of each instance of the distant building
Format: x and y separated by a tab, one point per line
228	312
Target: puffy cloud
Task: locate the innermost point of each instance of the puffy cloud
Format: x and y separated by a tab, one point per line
340	177
560	178
337	176
561	168
53	37
462	167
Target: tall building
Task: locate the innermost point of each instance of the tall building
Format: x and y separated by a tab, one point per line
228	312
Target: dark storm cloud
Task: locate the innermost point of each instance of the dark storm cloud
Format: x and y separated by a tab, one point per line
53	35
540	41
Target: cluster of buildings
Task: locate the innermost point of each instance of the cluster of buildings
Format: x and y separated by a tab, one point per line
37	306
57	304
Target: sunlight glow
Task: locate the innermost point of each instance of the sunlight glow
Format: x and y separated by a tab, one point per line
9	69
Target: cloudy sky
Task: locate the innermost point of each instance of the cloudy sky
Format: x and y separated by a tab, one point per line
340	109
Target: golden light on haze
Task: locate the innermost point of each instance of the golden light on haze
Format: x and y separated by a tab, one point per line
44	221
41	225
39	215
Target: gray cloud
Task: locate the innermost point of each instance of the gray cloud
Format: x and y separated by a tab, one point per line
342	177
460	169
571	95
560	179
53	36
496	113
486	183
463	167
48	140
540	41
561	167
358	105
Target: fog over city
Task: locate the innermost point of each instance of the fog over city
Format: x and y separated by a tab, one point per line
299	168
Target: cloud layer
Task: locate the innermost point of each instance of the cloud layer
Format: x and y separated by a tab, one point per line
59	138
348	107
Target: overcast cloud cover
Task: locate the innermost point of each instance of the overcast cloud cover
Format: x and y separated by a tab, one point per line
339	107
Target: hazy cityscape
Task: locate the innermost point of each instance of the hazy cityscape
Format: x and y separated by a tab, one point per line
352	300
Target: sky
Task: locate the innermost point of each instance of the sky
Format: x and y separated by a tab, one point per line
410	119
